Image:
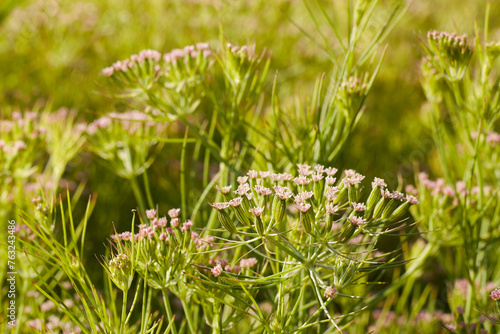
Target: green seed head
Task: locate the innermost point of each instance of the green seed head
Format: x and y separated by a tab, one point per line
120	268
306	216
226	221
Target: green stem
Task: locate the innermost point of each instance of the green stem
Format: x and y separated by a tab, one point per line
148	189
206	162
168	309
301	303
216	329
144	305
138	195
124	312
187	312
183	176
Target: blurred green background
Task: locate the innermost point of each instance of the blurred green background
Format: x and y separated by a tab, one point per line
52	53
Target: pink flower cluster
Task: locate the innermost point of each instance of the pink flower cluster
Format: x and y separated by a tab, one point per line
157	229
12	144
352	178
492	137
439	187
357	220
131	121
154	56
247	263
353	86
450	40
253	174
244	50
257	185
282	192
16	146
222	265
495	294
331	292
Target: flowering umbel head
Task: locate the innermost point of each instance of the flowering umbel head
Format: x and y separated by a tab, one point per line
449	54
217	270
320	200
151	213
350	94
120	270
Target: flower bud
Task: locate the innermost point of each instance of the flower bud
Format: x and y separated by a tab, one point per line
307	220
392	204
223	216
238	208
226	192
226	221
259	226
350	226
347	231
318	188
400	212
495	295
246	203
389	208
382	203
306	216
353	193
331	292
330	211
278	209
374	197
341	195
257	222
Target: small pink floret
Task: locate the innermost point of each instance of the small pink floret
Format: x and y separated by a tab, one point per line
151	213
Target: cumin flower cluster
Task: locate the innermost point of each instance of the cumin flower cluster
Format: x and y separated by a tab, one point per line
450	45
165	230
442	205
491	137
162	244
448	53
131	121
446	194
351	93
441	196
17	132
222	265
120	270
495	295
35	148
152	62
125	141
176	83
316	223
314	199
171	83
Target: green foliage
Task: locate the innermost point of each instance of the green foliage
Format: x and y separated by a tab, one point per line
250	85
